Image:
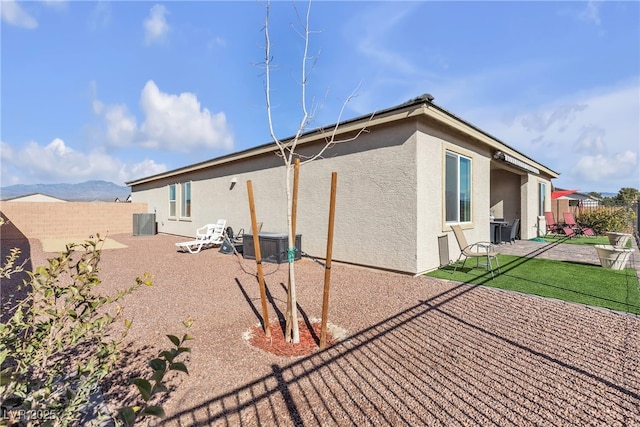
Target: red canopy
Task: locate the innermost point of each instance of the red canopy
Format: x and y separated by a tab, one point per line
560	193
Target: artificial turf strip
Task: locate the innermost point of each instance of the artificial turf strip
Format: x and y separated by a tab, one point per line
568	281
579	240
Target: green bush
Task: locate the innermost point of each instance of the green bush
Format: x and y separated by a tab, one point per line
154	383
604	219
60	343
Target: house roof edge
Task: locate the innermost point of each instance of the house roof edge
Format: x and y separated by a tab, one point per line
421	105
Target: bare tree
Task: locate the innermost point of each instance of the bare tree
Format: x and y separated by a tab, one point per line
287	148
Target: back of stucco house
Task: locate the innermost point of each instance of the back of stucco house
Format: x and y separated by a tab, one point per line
416	170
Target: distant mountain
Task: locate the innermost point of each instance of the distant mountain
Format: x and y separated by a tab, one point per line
85	191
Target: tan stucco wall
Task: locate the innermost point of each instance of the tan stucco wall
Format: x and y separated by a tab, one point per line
505	195
432	169
529	194
429	200
478	229
38	220
432	146
390	202
514	194
376	205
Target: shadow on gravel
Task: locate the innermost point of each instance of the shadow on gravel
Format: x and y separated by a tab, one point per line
281	316
132	363
465	356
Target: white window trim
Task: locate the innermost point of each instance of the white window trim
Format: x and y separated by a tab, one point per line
181	214
547	195
175	201
444	194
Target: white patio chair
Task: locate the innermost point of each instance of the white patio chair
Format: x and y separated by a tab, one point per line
206	230
206	236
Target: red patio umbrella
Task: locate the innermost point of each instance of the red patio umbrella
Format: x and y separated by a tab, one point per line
560	193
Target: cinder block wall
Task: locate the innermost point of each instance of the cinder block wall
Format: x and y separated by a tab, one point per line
559	207
41	220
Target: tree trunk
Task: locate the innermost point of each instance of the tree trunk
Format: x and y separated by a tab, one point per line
292	330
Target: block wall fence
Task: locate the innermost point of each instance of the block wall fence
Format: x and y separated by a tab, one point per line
559	206
53	220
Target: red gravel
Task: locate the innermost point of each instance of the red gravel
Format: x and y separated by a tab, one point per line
419	351
276	344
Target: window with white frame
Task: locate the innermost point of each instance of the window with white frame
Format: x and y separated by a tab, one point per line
172	201
457	188
542	198
185	200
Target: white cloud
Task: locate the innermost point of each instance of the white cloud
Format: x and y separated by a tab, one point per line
57	162
144	168
373	43
216	42
599	167
100	16
14	15
56	148
171	123
561	116
122	126
56	4
7	152
177	122
591	13
592	138
155	26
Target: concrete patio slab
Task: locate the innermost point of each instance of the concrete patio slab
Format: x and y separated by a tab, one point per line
60	245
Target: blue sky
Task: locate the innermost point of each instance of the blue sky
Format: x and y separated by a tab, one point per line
122	90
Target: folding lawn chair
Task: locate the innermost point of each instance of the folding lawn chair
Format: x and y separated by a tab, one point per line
476	250
570	220
557	229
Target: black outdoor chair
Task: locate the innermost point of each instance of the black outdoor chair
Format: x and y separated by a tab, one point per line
232	242
234	238
510	233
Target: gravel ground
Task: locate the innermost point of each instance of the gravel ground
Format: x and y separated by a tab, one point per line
419	351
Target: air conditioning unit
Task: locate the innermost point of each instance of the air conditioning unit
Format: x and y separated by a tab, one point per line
144	224
273	247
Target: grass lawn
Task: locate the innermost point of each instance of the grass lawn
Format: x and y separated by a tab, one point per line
568	281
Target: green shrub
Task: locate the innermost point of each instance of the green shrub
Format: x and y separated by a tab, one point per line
59	343
605	219
154	383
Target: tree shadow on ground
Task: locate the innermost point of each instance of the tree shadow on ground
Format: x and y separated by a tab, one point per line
445	360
